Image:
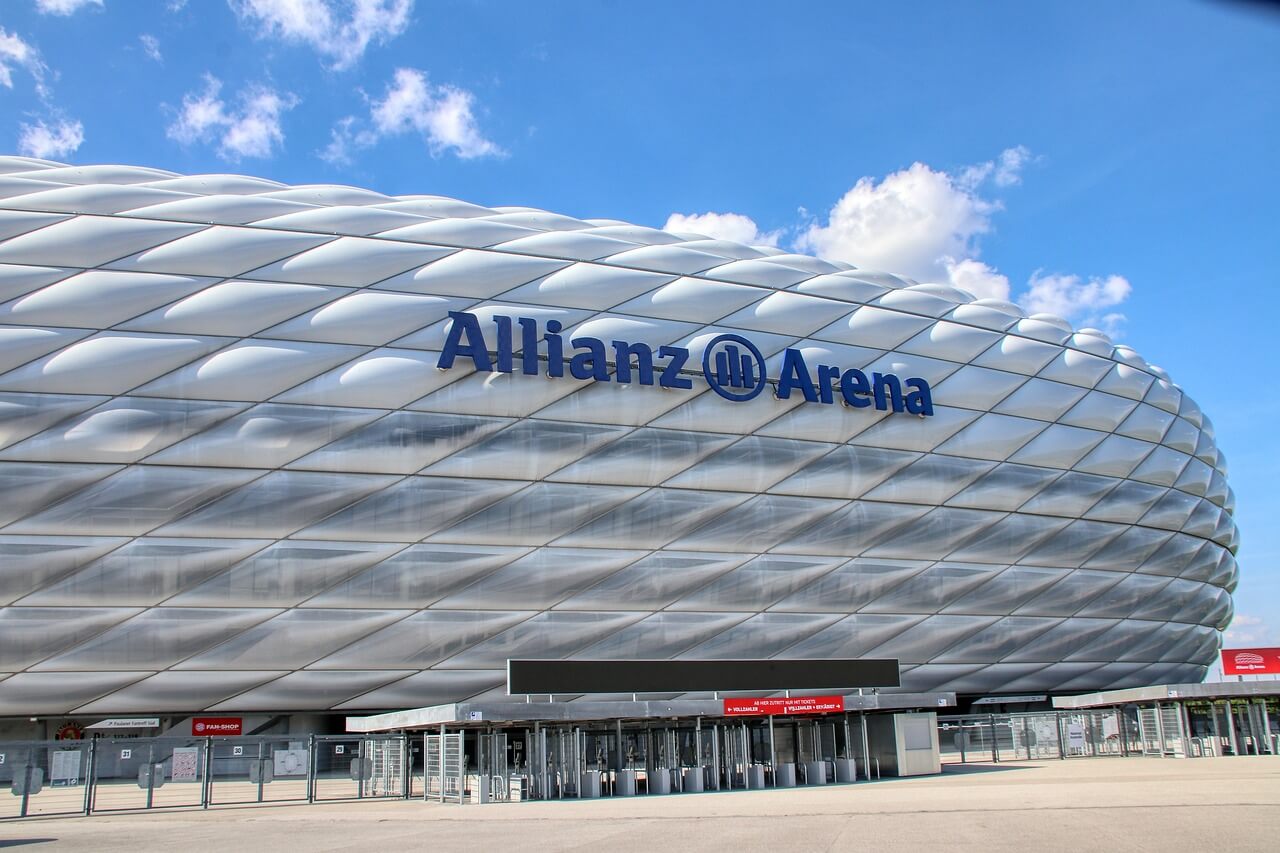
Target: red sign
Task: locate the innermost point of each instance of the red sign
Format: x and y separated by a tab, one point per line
208	726
1251	661
783	707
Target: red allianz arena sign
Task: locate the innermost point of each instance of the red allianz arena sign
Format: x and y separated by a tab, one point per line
209	726
1251	661
783	707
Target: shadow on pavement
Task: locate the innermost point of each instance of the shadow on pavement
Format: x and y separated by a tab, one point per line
967	769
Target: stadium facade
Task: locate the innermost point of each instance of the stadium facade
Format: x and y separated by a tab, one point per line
314	448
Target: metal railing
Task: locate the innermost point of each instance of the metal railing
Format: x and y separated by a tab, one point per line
1036	736
106	774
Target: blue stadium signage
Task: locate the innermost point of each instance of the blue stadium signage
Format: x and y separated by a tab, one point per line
732	366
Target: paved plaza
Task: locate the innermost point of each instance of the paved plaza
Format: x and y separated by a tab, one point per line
1097	804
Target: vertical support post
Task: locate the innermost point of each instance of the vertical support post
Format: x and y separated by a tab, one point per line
443	762
995	745
746	757
866	746
1062	744
151	773
406	765
206	780
28	771
1231	728
964	741
1184	721
312	762
773	754
1217	729
697	748
1160	728
715	753
262	747
90	769
1266	726
362	752
1026	741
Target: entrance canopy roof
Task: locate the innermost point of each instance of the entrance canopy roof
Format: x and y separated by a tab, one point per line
1164	692
488	713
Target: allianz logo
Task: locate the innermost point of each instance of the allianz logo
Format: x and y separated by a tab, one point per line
732	366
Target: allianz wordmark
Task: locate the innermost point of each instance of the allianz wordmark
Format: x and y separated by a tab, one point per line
731	365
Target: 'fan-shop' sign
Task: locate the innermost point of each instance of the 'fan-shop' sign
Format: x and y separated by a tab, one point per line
1251	661
210	726
783	707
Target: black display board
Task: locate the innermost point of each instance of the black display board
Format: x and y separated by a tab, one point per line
683	676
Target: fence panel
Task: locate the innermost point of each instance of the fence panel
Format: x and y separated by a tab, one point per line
44	777
145	773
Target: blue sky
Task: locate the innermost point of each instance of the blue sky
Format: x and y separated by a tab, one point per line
1114	163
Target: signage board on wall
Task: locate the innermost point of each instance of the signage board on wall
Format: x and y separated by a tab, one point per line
1264	661
783	707
209	726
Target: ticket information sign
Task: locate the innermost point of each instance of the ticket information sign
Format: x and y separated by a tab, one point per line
783	707
1251	661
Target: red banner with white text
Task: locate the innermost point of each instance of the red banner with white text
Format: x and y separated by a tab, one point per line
783	707
211	726
1251	661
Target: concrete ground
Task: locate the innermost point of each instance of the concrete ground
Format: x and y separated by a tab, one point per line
1078	805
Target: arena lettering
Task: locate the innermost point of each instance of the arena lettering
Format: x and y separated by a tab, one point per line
731	365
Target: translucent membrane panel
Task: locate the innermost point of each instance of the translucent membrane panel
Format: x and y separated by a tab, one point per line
1055	674
548	635
293	639
1185	601
528	450
653	582
763	635
1193	645
266	436
30	562
1067	596
644	457
277	504
30	487
757	584
417	576
1126	503
1131	641
997	640
932	589
1130	549
1124	598
177	691
928	676
58	692
759	524
435	687
1009	539
17	279
852	530
107	363
423	639
856	583
158	638
285	573
1071	495
1064	639
23	415
1006	591
930	480
936	534
652	518
401	443
309	691
541	579
123	430
98	299
852	636
21	344
662	635
473	274
136	500
146	571
28	635
752	464
1074	544
1172	511
412	509
1198	567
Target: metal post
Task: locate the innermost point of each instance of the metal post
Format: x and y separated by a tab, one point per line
1160	728
261	759
964	741
1217	729
443	763
1231	728
697	748
1184	722
715	752
1026	741
151	773
28	771
1266	726
406	765
995	747
773	754
89	772
866	747
1062	744
311	769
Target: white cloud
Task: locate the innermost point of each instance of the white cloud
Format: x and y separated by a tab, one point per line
722	226
16	53
340	30
976	277
1079	299
250	130
151	46
64	7
918	222
443	115
1249	631
47	142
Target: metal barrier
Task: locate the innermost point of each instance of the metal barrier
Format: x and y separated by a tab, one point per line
1035	736
112	774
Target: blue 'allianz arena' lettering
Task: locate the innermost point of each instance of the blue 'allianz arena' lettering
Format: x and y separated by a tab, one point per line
731	365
